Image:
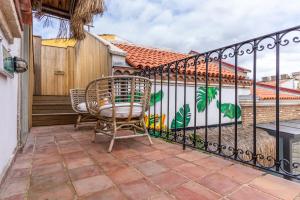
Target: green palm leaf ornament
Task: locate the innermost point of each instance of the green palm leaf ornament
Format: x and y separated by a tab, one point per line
179	122
156	97
212	93
228	109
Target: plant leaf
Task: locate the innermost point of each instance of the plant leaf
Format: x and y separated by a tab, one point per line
212	93
156	97
179	123
228	109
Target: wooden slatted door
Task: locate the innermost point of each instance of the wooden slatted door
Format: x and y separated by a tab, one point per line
54	71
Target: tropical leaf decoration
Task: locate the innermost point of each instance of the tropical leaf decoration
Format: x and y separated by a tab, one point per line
212	93
179	122
228	109
156	97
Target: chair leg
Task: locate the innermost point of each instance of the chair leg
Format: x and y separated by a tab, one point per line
113	138
146	131
77	120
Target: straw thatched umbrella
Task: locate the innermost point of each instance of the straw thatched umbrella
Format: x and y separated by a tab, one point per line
72	21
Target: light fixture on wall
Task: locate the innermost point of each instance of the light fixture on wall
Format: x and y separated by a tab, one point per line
20	65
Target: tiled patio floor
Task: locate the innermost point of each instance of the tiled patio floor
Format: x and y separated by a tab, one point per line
59	162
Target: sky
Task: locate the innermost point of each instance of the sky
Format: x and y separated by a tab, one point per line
201	25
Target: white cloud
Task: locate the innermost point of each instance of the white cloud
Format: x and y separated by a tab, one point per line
198	24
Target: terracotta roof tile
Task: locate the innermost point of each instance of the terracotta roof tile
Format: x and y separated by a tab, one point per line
268	92
141	57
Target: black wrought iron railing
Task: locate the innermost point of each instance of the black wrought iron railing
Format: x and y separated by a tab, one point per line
196	102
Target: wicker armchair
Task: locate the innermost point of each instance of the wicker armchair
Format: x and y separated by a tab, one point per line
79	106
119	102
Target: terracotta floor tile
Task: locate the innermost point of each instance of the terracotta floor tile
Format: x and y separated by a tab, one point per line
70	148
135	159
75	155
16	197
155	155
19	173
125	153
125	175
140	189
174	151
276	186
60	192
240	173
194	191
108	194
192	156
113	165
47	181
250	194
84	172
21	164
219	183
46	160
162	196
80	162
140	147
192	171
101	157
92	184
168	180
160	146
13	189
213	163
49	149
151	168
47	169
171	162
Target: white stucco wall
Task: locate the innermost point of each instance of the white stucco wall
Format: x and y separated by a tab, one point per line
8	111
213	119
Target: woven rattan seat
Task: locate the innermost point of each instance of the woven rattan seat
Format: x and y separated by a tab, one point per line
119	103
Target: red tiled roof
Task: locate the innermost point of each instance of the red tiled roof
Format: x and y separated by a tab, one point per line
241	69
268	92
272	83
141	57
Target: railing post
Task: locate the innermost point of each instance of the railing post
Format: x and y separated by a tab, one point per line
206	99
235	101
176	74
254	156
168	104
161	89
277	43
149	111
195	100
220	102
184	104
154	102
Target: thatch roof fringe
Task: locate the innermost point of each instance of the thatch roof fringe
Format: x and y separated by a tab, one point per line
83	14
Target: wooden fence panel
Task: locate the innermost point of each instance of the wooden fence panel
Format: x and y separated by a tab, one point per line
37	64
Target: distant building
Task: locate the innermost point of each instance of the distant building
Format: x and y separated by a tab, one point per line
287	81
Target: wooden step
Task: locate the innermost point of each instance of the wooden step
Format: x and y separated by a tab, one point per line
52	110
48	108
53	119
